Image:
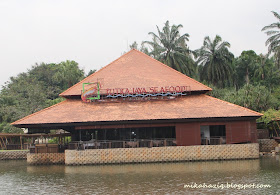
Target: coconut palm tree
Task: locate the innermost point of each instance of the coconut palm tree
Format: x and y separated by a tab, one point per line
260	72
215	59
266	72
273	42
277	57
169	47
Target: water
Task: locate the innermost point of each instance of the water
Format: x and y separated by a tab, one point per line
16	177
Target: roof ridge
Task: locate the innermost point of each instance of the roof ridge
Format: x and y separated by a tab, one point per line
38	112
247	109
173	69
61	94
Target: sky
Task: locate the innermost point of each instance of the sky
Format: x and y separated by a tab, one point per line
94	33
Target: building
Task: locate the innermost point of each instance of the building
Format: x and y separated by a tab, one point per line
137	98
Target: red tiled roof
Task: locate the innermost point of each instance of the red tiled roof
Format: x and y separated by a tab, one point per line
188	107
136	69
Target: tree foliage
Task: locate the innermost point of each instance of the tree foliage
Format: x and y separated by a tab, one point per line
257	98
273	42
245	66
37	89
271	121
215	59
91	72
169	47
143	49
269	116
251	80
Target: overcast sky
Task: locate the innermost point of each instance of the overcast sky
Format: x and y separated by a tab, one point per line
94	33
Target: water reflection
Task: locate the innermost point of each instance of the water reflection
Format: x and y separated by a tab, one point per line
167	178
167	168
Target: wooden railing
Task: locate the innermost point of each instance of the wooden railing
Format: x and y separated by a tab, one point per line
105	144
47	148
213	140
18	146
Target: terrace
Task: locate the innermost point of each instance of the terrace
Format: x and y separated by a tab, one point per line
108	144
124	138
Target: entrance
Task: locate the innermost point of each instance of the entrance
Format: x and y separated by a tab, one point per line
213	134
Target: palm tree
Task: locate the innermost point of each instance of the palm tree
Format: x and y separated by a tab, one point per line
273	41
215	59
142	48
277	57
266	72
170	48
260	72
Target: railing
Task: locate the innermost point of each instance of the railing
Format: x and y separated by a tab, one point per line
18	146
213	140
47	148
106	144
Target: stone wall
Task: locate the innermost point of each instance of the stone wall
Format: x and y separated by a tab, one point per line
13	155
266	145
45	158
162	154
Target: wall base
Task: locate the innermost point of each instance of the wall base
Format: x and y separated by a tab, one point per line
45	158
162	154
13	155
266	145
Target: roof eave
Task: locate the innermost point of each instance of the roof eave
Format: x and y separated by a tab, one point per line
203	119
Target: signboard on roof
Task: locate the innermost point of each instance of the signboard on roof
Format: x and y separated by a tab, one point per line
95	92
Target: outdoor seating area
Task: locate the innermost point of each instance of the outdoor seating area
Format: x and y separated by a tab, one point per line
47	148
213	140
107	144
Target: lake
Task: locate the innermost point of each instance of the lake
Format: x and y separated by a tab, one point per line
16	177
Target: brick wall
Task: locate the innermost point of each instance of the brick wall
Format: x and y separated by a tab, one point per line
263	134
188	134
13	155
266	145
162	154
45	158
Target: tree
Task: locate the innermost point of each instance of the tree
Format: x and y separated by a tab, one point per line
271	121
169	47
261	70
269	116
245	66
276	57
45	73
266	73
134	45
143	49
68	73
22	96
257	98
273	42
91	72
34	90
215	59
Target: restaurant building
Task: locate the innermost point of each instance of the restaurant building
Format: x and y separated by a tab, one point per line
138	102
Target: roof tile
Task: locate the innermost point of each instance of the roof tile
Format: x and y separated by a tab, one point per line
192	106
136	69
